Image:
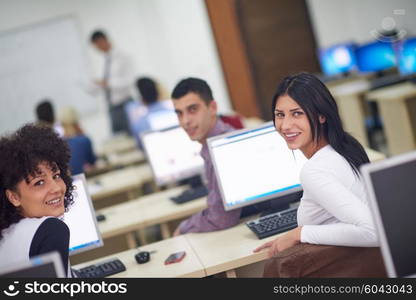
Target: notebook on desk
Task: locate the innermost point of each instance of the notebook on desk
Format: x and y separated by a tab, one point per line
392	196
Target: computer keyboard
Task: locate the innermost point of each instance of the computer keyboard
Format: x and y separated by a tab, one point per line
274	223
191	194
101	269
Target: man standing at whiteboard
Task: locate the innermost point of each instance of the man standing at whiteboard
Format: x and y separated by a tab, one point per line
116	82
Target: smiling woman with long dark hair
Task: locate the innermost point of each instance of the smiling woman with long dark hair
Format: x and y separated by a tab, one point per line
334	208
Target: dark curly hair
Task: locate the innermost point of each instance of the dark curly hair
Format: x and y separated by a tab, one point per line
21	154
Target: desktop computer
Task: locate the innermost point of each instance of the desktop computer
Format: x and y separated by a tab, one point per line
338	60
161	119
391	192
174	157
375	57
48	265
407	57
255	167
81	220
84	232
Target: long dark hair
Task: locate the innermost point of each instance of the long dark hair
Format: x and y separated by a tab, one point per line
21	154
316	100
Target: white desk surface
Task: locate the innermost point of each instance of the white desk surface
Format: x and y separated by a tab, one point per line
190	266
117	144
225	250
118	181
374	155
391	93
352	87
126	158
145	211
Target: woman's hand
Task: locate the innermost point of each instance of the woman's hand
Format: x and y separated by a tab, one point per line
289	239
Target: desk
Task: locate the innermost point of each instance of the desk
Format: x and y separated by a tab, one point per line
398	110
156	208
121	181
190	266
117	144
116	161
374	155
351	105
227	250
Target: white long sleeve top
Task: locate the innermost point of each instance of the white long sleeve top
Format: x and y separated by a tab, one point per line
334	209
121	76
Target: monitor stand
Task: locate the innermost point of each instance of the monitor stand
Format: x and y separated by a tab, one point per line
197	190
272	205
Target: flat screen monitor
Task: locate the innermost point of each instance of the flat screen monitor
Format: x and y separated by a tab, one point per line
172	155
163	119
338	59
81	219
375	57
255	165
48	265
407	57
134	111
391	189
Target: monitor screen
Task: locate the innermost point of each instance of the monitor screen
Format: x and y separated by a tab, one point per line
392	193
338	59
81	219
134	111
48	265
375	57
172	155
163	119
407	57
254	165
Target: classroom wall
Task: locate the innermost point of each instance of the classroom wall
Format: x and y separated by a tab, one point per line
356	20
168	40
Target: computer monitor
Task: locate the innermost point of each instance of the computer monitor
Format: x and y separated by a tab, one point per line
255	165
134	111
338	60
392	195
375	57
407	57
163	119
48	265
172	155
81	219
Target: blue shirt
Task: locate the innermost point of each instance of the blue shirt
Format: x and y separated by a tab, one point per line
81	153
158	116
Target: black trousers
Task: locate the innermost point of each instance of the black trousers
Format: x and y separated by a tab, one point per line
119	118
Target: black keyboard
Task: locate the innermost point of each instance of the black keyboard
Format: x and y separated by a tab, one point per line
102	269
191	194
274	223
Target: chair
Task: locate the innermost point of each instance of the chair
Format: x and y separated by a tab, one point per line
233	120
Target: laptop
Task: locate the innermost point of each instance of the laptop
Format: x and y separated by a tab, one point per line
391	188
48	265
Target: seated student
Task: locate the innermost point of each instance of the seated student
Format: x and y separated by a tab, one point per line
35	190
82	154
45	116
150	96
197	114
334	209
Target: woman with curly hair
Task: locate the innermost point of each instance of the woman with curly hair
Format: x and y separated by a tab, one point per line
35	191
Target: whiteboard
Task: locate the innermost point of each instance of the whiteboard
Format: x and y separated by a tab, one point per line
45	60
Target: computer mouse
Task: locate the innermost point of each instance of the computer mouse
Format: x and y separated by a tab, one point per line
142	257
100	218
